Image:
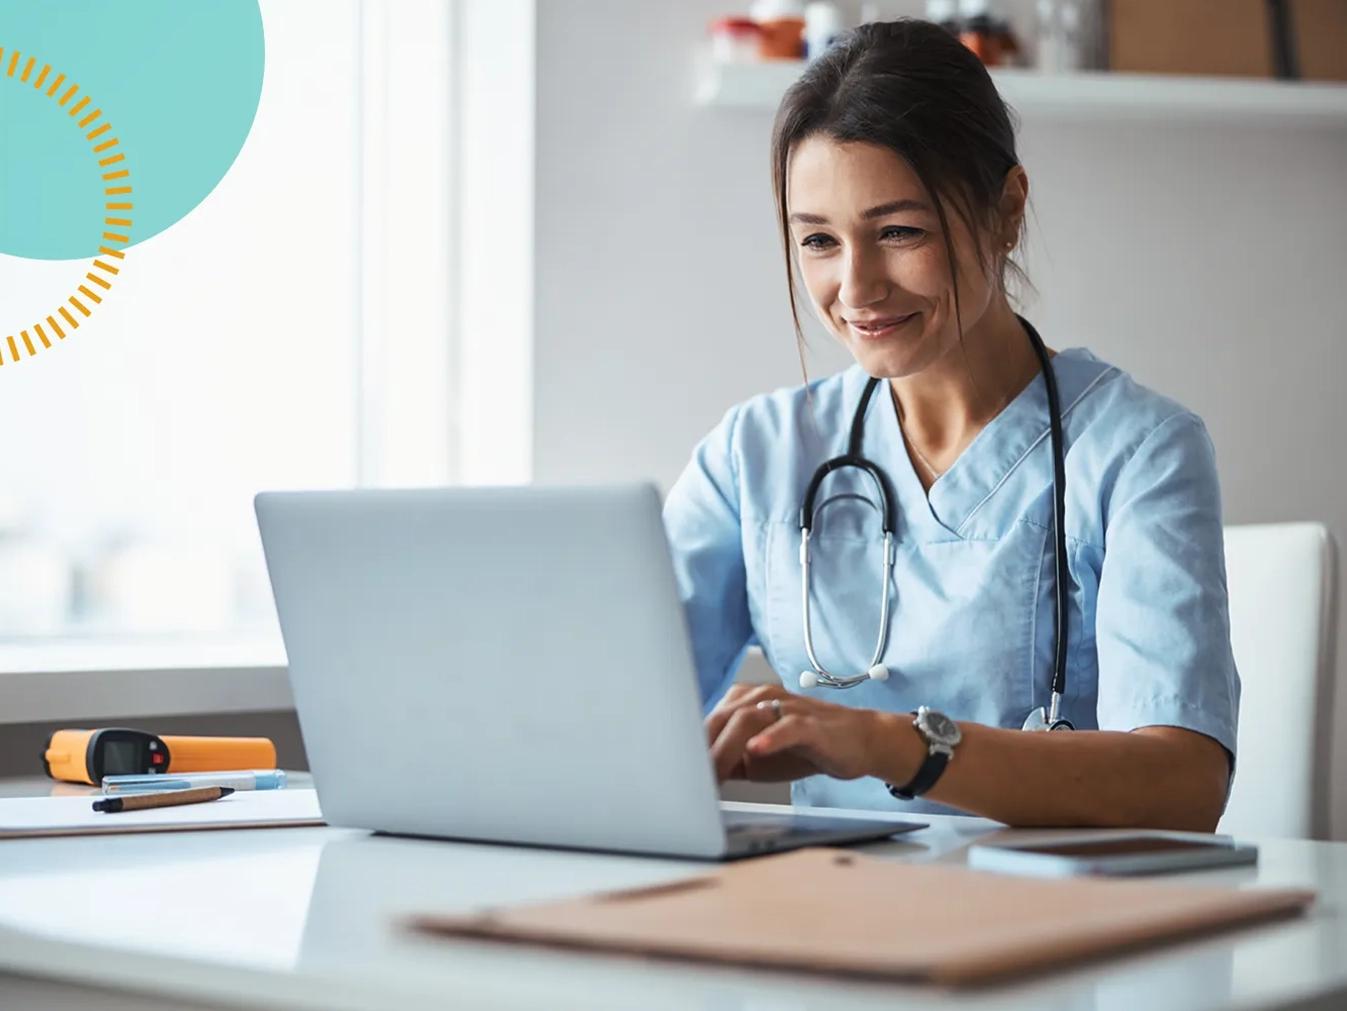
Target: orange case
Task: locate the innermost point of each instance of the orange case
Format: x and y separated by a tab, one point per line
67	754
219	754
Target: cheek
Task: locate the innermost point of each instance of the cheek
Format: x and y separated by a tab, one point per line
975	288
820	281
974	284
921	271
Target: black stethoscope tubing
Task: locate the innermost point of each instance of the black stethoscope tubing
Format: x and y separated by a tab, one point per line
855	458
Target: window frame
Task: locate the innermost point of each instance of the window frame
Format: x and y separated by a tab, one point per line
465	392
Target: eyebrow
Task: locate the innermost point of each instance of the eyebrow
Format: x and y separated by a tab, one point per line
878	211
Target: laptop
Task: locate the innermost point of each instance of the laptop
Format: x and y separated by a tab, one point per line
509	665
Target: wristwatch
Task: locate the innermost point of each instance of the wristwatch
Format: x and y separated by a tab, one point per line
941	734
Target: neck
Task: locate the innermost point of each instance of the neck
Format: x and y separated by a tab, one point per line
945	404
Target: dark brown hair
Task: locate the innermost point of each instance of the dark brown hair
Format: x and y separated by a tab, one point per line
914	88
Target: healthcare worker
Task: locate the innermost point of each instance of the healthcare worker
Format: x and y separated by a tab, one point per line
913	676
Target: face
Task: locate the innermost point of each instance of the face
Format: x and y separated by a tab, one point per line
872	255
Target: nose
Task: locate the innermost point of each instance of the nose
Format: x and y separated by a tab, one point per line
864	281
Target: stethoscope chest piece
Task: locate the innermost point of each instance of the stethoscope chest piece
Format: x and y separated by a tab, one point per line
1038	720
878	672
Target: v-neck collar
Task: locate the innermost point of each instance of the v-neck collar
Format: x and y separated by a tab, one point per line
986	461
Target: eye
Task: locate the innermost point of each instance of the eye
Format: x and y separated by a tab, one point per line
817	241
901	232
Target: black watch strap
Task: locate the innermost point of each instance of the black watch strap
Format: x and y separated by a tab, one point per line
924	779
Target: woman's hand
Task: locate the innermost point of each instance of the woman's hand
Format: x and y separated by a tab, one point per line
765	733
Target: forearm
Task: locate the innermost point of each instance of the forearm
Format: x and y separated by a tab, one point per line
1097	778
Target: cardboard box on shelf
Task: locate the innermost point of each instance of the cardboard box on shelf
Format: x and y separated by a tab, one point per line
1226	37
1319	28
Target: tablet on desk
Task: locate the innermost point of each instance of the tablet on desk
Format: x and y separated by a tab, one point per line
1133	853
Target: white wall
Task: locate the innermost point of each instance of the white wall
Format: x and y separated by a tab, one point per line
1208	261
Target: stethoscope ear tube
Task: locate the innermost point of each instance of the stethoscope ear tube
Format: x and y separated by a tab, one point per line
837	463
1058	524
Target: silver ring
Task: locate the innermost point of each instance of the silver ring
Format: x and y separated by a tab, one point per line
774	705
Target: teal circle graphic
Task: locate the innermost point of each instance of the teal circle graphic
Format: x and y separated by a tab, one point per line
178	81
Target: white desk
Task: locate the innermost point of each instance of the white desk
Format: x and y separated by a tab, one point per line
309	918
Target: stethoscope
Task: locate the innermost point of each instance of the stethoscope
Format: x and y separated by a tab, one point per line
876	671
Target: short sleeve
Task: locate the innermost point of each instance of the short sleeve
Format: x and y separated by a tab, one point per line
701	516
1163	623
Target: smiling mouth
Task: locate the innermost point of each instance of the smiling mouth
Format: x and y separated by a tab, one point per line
879	327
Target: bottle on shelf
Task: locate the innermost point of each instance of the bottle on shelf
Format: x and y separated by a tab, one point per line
1011	53
822	24
944	13
983	33
1072	36
782	24
734	40
1048	37
1068	35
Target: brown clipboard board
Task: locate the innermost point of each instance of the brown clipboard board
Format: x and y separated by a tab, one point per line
836	912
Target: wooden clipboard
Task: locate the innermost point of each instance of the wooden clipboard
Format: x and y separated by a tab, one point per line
832	911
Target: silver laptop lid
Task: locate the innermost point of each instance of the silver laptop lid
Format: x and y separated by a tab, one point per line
504	664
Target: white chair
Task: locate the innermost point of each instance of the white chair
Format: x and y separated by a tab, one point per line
1282	623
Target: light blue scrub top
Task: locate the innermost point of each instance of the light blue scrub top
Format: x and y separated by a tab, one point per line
972	625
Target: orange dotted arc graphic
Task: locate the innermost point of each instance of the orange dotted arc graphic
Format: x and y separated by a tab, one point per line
118	205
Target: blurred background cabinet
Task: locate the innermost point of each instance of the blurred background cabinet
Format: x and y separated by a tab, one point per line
1249	38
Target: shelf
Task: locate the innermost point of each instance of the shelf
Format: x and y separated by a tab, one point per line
1083	96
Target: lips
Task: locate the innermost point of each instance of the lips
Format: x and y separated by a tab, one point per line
880	325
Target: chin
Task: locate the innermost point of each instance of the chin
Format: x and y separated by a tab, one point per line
891	358
888	362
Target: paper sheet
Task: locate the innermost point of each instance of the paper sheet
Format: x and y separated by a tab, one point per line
47	816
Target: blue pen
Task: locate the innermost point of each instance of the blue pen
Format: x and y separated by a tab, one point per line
247	779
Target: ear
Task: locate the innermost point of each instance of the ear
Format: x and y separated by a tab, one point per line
1014	199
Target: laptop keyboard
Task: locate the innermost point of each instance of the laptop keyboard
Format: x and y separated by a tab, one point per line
750	825
754	831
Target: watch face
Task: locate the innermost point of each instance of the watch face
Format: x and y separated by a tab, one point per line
940	728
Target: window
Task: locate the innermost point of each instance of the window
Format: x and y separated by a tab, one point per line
292	331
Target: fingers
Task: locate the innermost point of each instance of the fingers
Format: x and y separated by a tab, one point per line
791	731
833	743
743	732
785	765
727	749
739	695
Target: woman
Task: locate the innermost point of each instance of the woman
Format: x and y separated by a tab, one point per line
901	199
